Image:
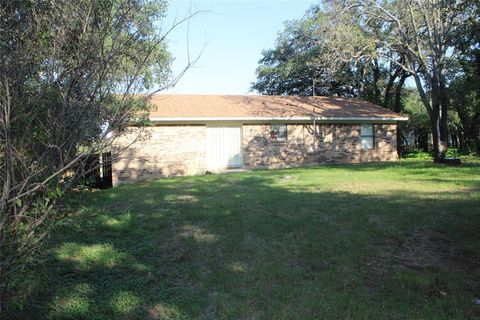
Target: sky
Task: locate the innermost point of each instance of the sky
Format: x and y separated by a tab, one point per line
229	36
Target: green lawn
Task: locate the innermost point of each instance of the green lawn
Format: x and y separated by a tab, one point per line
395	240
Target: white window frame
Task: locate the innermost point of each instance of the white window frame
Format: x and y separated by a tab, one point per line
274	134
367	134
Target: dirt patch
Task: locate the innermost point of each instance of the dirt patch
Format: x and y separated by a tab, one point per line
420	249
429	249
425	249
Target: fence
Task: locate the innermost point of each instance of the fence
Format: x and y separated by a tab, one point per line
99	170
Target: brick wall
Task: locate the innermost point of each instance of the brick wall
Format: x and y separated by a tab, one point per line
165	151
260	151
341	143
181	150
336	143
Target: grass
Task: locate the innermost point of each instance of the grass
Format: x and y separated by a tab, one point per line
398	240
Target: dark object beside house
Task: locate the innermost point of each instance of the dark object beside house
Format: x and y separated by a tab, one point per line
452	161
98	168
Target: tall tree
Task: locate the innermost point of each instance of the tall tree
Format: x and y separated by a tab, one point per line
325	53
421	31
464	88
369	48
73	75
303	62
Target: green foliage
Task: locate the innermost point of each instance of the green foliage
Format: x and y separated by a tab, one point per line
418	155
74	75
465	85
422	155
418	126
305	59
453	152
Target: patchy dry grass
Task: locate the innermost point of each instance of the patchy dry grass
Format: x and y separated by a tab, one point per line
398	240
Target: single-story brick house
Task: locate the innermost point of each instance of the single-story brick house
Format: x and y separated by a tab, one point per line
193	134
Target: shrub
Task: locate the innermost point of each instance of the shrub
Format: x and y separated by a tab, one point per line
417	154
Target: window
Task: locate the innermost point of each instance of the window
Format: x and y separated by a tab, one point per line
278	132
367	137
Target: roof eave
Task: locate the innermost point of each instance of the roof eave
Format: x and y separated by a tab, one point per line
268	119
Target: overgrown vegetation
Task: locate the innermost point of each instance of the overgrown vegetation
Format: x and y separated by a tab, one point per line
391	240
73	75
417	154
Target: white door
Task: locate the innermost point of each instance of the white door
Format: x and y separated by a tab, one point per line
224	147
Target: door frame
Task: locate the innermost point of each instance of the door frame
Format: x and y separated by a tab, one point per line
240	126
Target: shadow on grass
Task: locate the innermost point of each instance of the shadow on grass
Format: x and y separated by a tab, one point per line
267	244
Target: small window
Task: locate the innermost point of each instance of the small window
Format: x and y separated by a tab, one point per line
367	137
278	132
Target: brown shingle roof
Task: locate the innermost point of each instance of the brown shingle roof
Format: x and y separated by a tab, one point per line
231	106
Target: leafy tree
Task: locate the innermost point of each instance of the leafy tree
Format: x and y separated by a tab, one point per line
369	48
416	131
300	63
422	33
73	75
325	53
464	86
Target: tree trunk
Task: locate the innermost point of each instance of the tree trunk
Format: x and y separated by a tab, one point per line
376	77
468	141
433	109
438	116
397	107
443	105
388	89
398	71
361	84
439	146
7	170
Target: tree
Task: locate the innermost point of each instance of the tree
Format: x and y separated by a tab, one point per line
369	48
421	31
325	53
73	75
417	128
302	62
464	87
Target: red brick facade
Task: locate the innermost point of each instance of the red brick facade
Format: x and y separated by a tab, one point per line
175	150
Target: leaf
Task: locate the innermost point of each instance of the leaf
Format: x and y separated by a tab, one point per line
59	191
18	202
